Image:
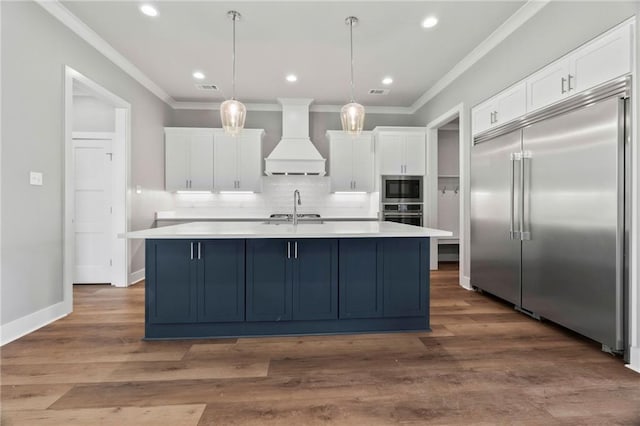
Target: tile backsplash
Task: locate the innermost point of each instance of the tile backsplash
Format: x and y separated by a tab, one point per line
277	197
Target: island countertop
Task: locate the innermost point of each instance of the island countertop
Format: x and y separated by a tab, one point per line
225	230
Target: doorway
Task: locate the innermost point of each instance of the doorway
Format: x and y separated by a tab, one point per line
97	138
447	190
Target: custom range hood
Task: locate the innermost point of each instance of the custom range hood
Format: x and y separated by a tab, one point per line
295	154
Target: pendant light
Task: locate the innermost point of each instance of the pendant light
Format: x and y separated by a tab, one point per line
233	112
352	114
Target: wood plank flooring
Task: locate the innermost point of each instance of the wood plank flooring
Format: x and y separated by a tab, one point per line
483	364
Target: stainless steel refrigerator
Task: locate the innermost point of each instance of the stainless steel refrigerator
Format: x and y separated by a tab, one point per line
548	213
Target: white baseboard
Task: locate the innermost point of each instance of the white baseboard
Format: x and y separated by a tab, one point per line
22	326
136	277
634	358
465	282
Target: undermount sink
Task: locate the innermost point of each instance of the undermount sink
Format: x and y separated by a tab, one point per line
289	222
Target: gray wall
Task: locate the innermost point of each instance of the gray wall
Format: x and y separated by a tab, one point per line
271	122
554	31
35	47
92	115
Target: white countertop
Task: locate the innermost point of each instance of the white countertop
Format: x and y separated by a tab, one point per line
351	229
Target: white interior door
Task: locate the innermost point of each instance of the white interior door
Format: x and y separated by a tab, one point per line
92	160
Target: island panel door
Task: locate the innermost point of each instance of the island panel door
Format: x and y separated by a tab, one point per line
315	279
221	280
360	278
171	282
405	276
268	279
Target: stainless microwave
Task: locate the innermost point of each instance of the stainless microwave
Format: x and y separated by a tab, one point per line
402	189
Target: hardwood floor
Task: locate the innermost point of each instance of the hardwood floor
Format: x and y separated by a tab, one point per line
483	364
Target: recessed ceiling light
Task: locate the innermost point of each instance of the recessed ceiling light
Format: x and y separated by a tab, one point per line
430	22
292	78
387	81
149	10
198	75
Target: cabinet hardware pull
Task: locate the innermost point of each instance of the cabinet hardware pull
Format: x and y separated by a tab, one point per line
199	250
354	184
495	116
191	245
288	249
563	81
295	249
569	82
491	117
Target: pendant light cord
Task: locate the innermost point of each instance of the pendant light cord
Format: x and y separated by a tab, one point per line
351	46
233	60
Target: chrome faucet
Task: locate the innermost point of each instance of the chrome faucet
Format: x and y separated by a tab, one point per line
296	197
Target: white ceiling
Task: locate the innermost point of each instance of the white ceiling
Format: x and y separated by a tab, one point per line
309	39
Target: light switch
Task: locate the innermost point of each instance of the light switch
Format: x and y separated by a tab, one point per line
35	178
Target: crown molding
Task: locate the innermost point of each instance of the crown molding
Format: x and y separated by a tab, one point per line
521	16
515	21
214	106
64	15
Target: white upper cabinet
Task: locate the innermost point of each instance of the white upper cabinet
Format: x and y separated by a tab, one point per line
238	161
351	162
188	159
548	85
600	60
401	150
512	103
500	109
603	59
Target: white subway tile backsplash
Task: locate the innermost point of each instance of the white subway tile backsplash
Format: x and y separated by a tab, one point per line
277	197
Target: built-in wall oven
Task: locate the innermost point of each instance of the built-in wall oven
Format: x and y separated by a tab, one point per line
409	214
402	189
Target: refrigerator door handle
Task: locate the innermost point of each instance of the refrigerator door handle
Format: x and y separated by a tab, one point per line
514	158
525	231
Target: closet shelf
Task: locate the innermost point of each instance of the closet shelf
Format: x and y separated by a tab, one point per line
453	240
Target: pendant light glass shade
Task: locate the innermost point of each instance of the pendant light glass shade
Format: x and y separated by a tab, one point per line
232	111
233	114
352	117
352	114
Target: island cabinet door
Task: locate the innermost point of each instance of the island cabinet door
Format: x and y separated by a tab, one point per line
269	279
171	282
360	278
405	276
315	279
221	280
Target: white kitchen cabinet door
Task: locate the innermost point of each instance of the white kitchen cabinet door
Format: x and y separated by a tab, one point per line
363	163
414	154
548	85
483	117
392	153
201	162
341	163
249	163
176	173
512	103
602	60
225	163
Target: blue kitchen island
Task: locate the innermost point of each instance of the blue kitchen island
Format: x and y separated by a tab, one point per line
229	279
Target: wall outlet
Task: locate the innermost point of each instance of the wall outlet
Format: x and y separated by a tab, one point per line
35	178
